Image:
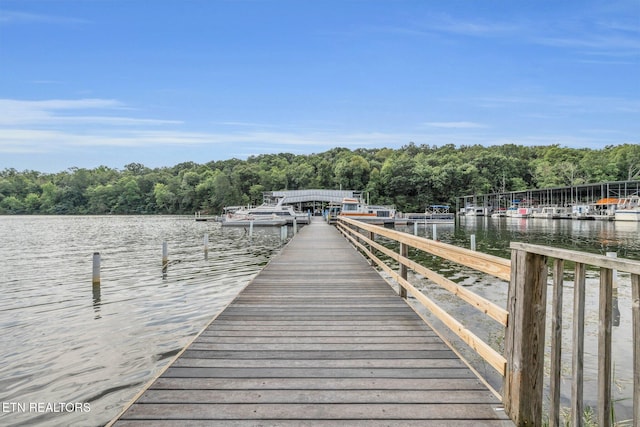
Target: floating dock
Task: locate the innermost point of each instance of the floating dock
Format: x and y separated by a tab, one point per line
317	338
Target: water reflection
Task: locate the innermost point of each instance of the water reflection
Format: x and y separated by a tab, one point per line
97	298
495	234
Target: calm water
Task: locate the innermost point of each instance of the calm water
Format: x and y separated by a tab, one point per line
65	341
493	235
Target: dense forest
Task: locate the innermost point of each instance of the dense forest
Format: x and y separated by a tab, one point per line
411	178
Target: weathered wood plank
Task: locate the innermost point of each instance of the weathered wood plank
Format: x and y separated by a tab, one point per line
635	317
604	347
556	343
577	359
450	362
315	332
315	347
317	396
436	385
292	339
321	354
396	412
317	423
185	372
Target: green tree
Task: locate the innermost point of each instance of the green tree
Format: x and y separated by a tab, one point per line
165	199
352	172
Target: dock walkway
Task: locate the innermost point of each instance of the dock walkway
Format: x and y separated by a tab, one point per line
317	338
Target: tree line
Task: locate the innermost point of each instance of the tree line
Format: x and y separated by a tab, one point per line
411	177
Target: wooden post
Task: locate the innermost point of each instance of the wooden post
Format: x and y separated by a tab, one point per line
165	258
524	338
616	306
556	344
635	320
372	237
95	279
604	347
251	228
435	232
404	252
577	362
415	228
473	242
295	226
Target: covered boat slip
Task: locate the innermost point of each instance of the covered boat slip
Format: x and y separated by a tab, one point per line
317	338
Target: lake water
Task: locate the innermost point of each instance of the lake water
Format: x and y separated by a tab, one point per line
65	341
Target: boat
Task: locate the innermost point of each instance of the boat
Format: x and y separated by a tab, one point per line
519	212
356	209
628	208
605	208
499	213
243	220
582	212
434	214
552	212
473	210
267	212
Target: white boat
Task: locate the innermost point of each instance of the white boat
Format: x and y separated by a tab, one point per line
628	209
519	212
268	212
434	214
499	213
605	208
356	209
472	210
552	212
582	212
243	220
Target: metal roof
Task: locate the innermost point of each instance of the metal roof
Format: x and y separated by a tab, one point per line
299	196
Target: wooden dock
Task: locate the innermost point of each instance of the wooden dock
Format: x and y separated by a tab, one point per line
317	338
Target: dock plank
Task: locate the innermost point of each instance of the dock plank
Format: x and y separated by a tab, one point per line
317	339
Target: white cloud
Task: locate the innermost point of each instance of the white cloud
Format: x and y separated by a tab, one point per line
58	111
16	17
456	125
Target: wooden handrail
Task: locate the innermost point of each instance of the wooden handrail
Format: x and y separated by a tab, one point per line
527	272
490	264
449	252
495	359
621	264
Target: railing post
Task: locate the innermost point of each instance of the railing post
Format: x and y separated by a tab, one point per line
635	316
604	347
404	252
524	338
372	237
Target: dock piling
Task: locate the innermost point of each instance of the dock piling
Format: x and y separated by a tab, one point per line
473	242
96	269
165	258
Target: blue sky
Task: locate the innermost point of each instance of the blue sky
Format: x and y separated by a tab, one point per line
85	83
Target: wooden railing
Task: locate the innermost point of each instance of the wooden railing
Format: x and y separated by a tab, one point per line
522	365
